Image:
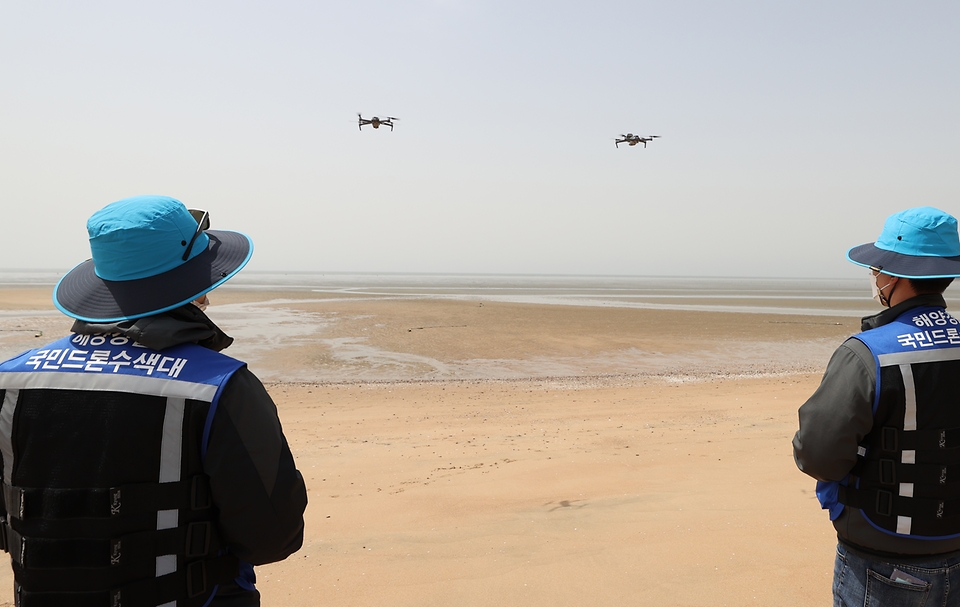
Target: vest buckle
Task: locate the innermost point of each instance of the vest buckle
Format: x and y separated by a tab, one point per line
198	539
884	503
200	493
888	439
196	579
888	475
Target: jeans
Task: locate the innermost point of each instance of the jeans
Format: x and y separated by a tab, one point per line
862	582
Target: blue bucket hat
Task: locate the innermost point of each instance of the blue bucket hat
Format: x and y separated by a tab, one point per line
916	243
150	255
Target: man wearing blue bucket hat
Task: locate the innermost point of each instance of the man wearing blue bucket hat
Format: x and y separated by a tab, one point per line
140	466
882	432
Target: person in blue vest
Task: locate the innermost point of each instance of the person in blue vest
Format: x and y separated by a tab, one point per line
140	466
881	434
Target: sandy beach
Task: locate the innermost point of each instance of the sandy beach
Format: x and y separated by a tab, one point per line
483	453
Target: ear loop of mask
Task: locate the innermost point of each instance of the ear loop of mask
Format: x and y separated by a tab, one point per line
877	292
889	295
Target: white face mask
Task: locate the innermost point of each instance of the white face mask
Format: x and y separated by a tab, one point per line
201	303
874	290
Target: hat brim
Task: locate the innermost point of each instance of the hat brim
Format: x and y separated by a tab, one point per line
904	266
83	295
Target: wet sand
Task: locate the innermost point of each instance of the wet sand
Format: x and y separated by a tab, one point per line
459	453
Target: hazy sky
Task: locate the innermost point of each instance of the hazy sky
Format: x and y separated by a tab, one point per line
790	129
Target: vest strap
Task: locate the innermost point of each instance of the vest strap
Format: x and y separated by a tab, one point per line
142	498
942	478
891	439
195	580
194	540
947	457
886	503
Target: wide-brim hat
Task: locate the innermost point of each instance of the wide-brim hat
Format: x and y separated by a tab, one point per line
149	255
916	243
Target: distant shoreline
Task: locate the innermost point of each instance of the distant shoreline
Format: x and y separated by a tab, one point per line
351	336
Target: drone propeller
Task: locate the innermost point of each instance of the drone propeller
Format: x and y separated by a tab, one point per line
392	118
653	136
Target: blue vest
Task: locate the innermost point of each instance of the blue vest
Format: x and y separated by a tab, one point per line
907	479
164	400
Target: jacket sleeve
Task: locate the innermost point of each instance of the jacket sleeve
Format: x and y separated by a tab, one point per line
254	482
835	419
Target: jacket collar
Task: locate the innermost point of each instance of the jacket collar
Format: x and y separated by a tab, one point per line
891	314
186	324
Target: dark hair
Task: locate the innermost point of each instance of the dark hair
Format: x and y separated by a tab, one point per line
930	285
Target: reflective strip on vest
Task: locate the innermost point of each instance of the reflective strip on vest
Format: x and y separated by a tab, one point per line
152	386
170	455
923	356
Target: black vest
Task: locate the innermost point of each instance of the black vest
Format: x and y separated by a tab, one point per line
907	481
105	499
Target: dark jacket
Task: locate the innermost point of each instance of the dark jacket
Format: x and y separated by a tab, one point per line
833	424
254	481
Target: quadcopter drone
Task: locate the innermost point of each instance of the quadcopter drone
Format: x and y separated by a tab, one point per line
376	122
632	139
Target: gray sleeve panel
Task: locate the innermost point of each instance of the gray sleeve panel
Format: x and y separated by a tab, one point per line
835	419
10	398
253	479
